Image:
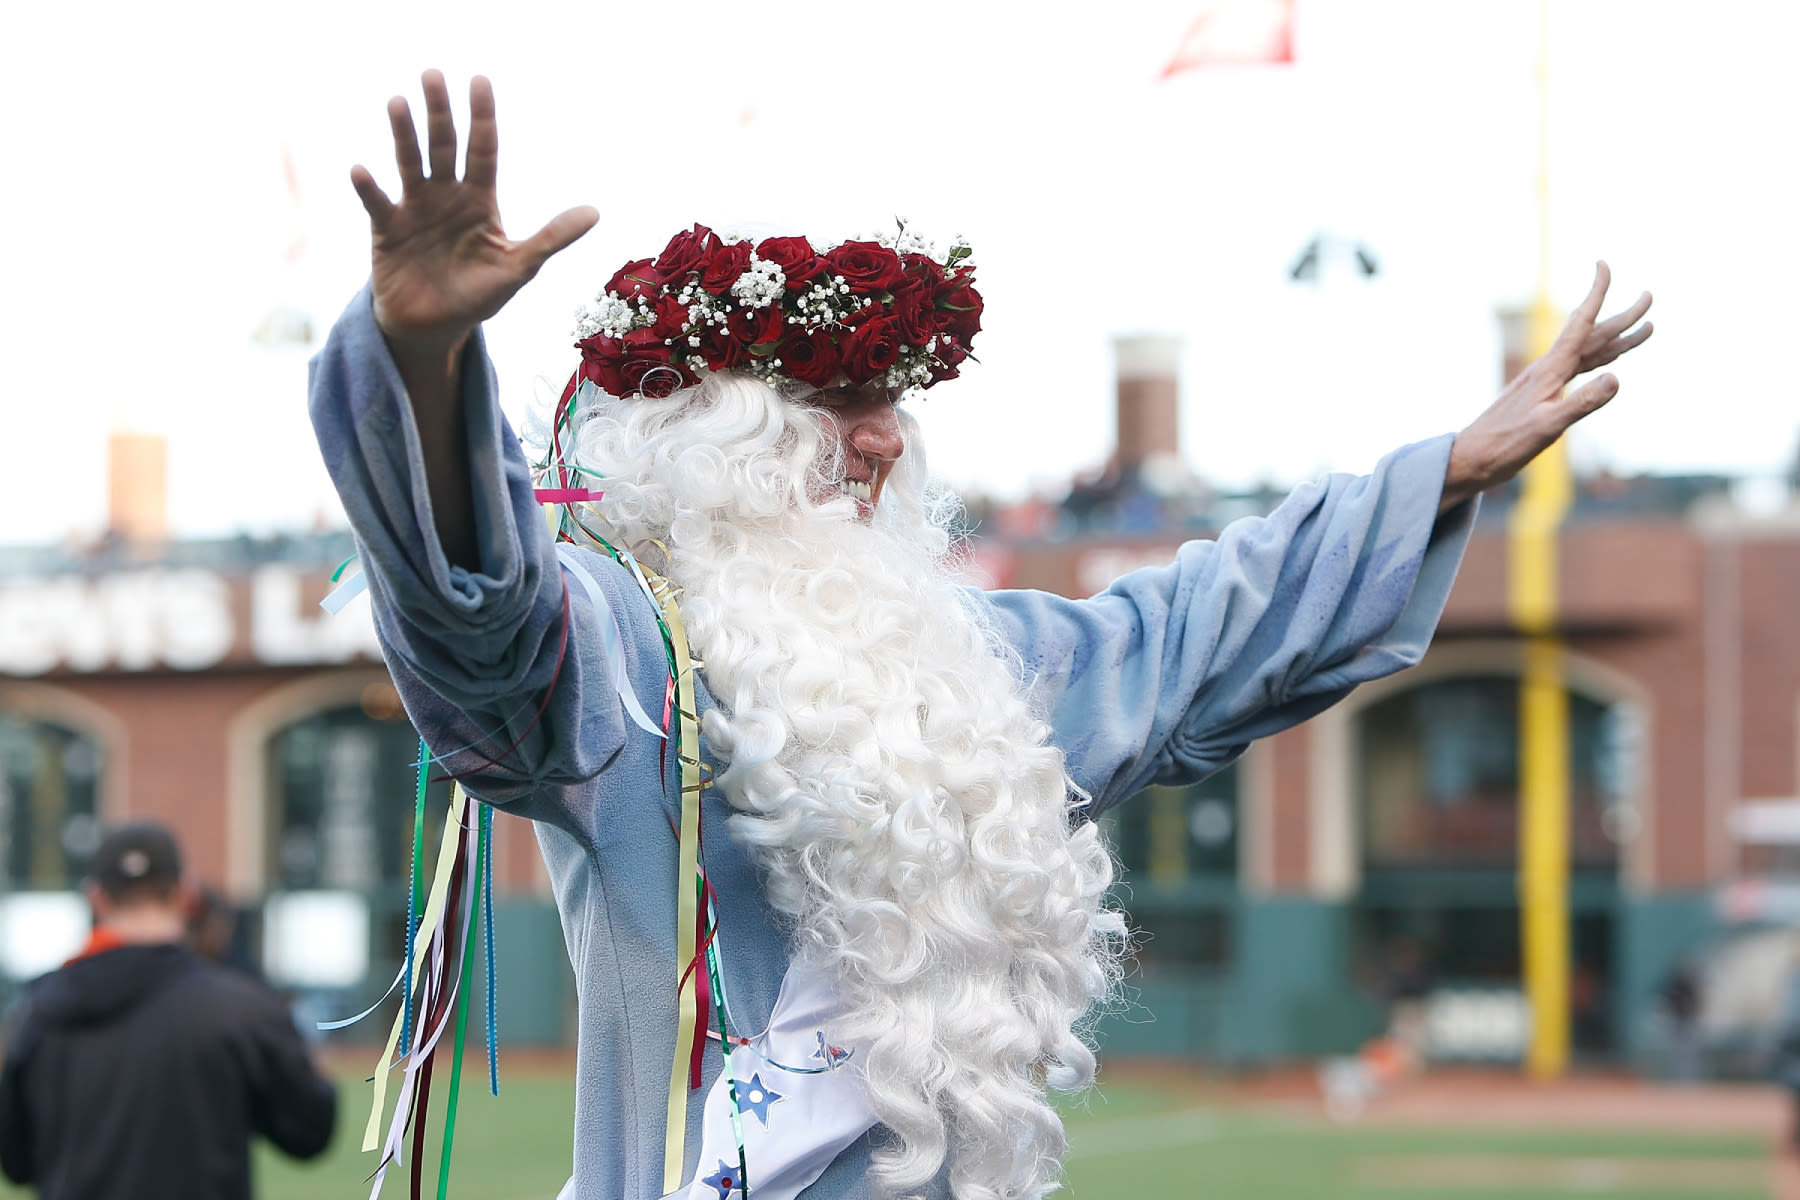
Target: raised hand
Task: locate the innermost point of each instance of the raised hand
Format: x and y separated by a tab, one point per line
443	263
1537	407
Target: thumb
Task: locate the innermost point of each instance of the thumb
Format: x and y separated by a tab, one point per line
558	233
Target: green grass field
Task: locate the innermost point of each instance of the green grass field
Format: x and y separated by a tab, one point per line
1127	1142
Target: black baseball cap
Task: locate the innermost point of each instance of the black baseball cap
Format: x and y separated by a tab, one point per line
140	856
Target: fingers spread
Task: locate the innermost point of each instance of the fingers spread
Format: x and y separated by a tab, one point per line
440	127
374	200
561	230
1614	325
484	135
406	144
1573	340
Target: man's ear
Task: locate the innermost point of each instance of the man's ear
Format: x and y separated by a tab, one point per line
99	901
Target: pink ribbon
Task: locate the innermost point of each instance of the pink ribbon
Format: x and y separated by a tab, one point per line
566	495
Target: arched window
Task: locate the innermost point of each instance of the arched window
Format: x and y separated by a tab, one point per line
1171	835
1178	855
1437	782
1439	776
341	788
49	804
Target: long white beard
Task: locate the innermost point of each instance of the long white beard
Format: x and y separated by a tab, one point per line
910	816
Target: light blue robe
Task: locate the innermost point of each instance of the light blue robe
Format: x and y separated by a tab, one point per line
1162	678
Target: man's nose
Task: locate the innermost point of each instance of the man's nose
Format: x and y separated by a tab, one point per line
876	432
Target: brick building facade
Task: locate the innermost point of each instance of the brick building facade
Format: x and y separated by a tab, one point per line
1283	902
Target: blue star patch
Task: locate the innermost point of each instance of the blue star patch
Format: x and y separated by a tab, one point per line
753	1097
725	1179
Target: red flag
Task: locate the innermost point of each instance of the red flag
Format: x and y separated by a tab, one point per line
1237	33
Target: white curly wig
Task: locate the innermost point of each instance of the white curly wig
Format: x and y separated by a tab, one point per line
914	823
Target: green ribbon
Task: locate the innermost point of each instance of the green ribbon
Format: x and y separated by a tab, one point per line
462	1009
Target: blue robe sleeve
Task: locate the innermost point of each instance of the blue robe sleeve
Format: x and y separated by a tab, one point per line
500	667
1171	672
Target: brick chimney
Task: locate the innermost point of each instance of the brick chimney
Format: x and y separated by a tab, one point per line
1149	412
137	486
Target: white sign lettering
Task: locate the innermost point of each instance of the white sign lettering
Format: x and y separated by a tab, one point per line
180	619
285	628
134	621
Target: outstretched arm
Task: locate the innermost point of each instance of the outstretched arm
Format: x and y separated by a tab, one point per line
442	265
503	671
1168	674
1537	406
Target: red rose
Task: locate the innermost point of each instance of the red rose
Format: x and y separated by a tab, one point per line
634	279
866	266
647	366
644	341
915	314
600	358
671	318
794	255
724	266
686	251
758	327
960	313
948	357
922	266
810	357
870	349
720	349
943	284
868	312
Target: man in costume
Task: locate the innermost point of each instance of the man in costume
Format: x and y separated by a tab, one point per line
851	962
140	1070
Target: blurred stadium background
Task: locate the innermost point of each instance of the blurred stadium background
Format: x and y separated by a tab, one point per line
1286	905
1354	875
1329	995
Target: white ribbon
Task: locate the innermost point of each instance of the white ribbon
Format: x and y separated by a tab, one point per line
612	645
345	592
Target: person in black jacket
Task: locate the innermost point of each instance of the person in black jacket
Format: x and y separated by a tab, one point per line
140	1070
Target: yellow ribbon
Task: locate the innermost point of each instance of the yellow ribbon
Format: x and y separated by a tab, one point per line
687	873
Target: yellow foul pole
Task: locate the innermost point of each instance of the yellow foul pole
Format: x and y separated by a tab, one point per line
1543	700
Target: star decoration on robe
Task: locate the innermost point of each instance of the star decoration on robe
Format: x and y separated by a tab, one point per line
829	1054
753	1097
725	1180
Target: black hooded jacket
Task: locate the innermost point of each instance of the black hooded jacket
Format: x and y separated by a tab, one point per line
142	1072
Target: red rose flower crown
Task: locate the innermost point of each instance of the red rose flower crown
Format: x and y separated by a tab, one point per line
889	311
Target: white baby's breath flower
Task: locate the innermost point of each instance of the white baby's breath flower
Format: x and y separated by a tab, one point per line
610	314
760	285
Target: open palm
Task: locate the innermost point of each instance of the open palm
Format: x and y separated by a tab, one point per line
442	260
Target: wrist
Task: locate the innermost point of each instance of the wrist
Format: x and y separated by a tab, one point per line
431	361
427	364
423	354
1466	475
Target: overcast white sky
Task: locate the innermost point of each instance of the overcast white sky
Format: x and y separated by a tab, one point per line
149	213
